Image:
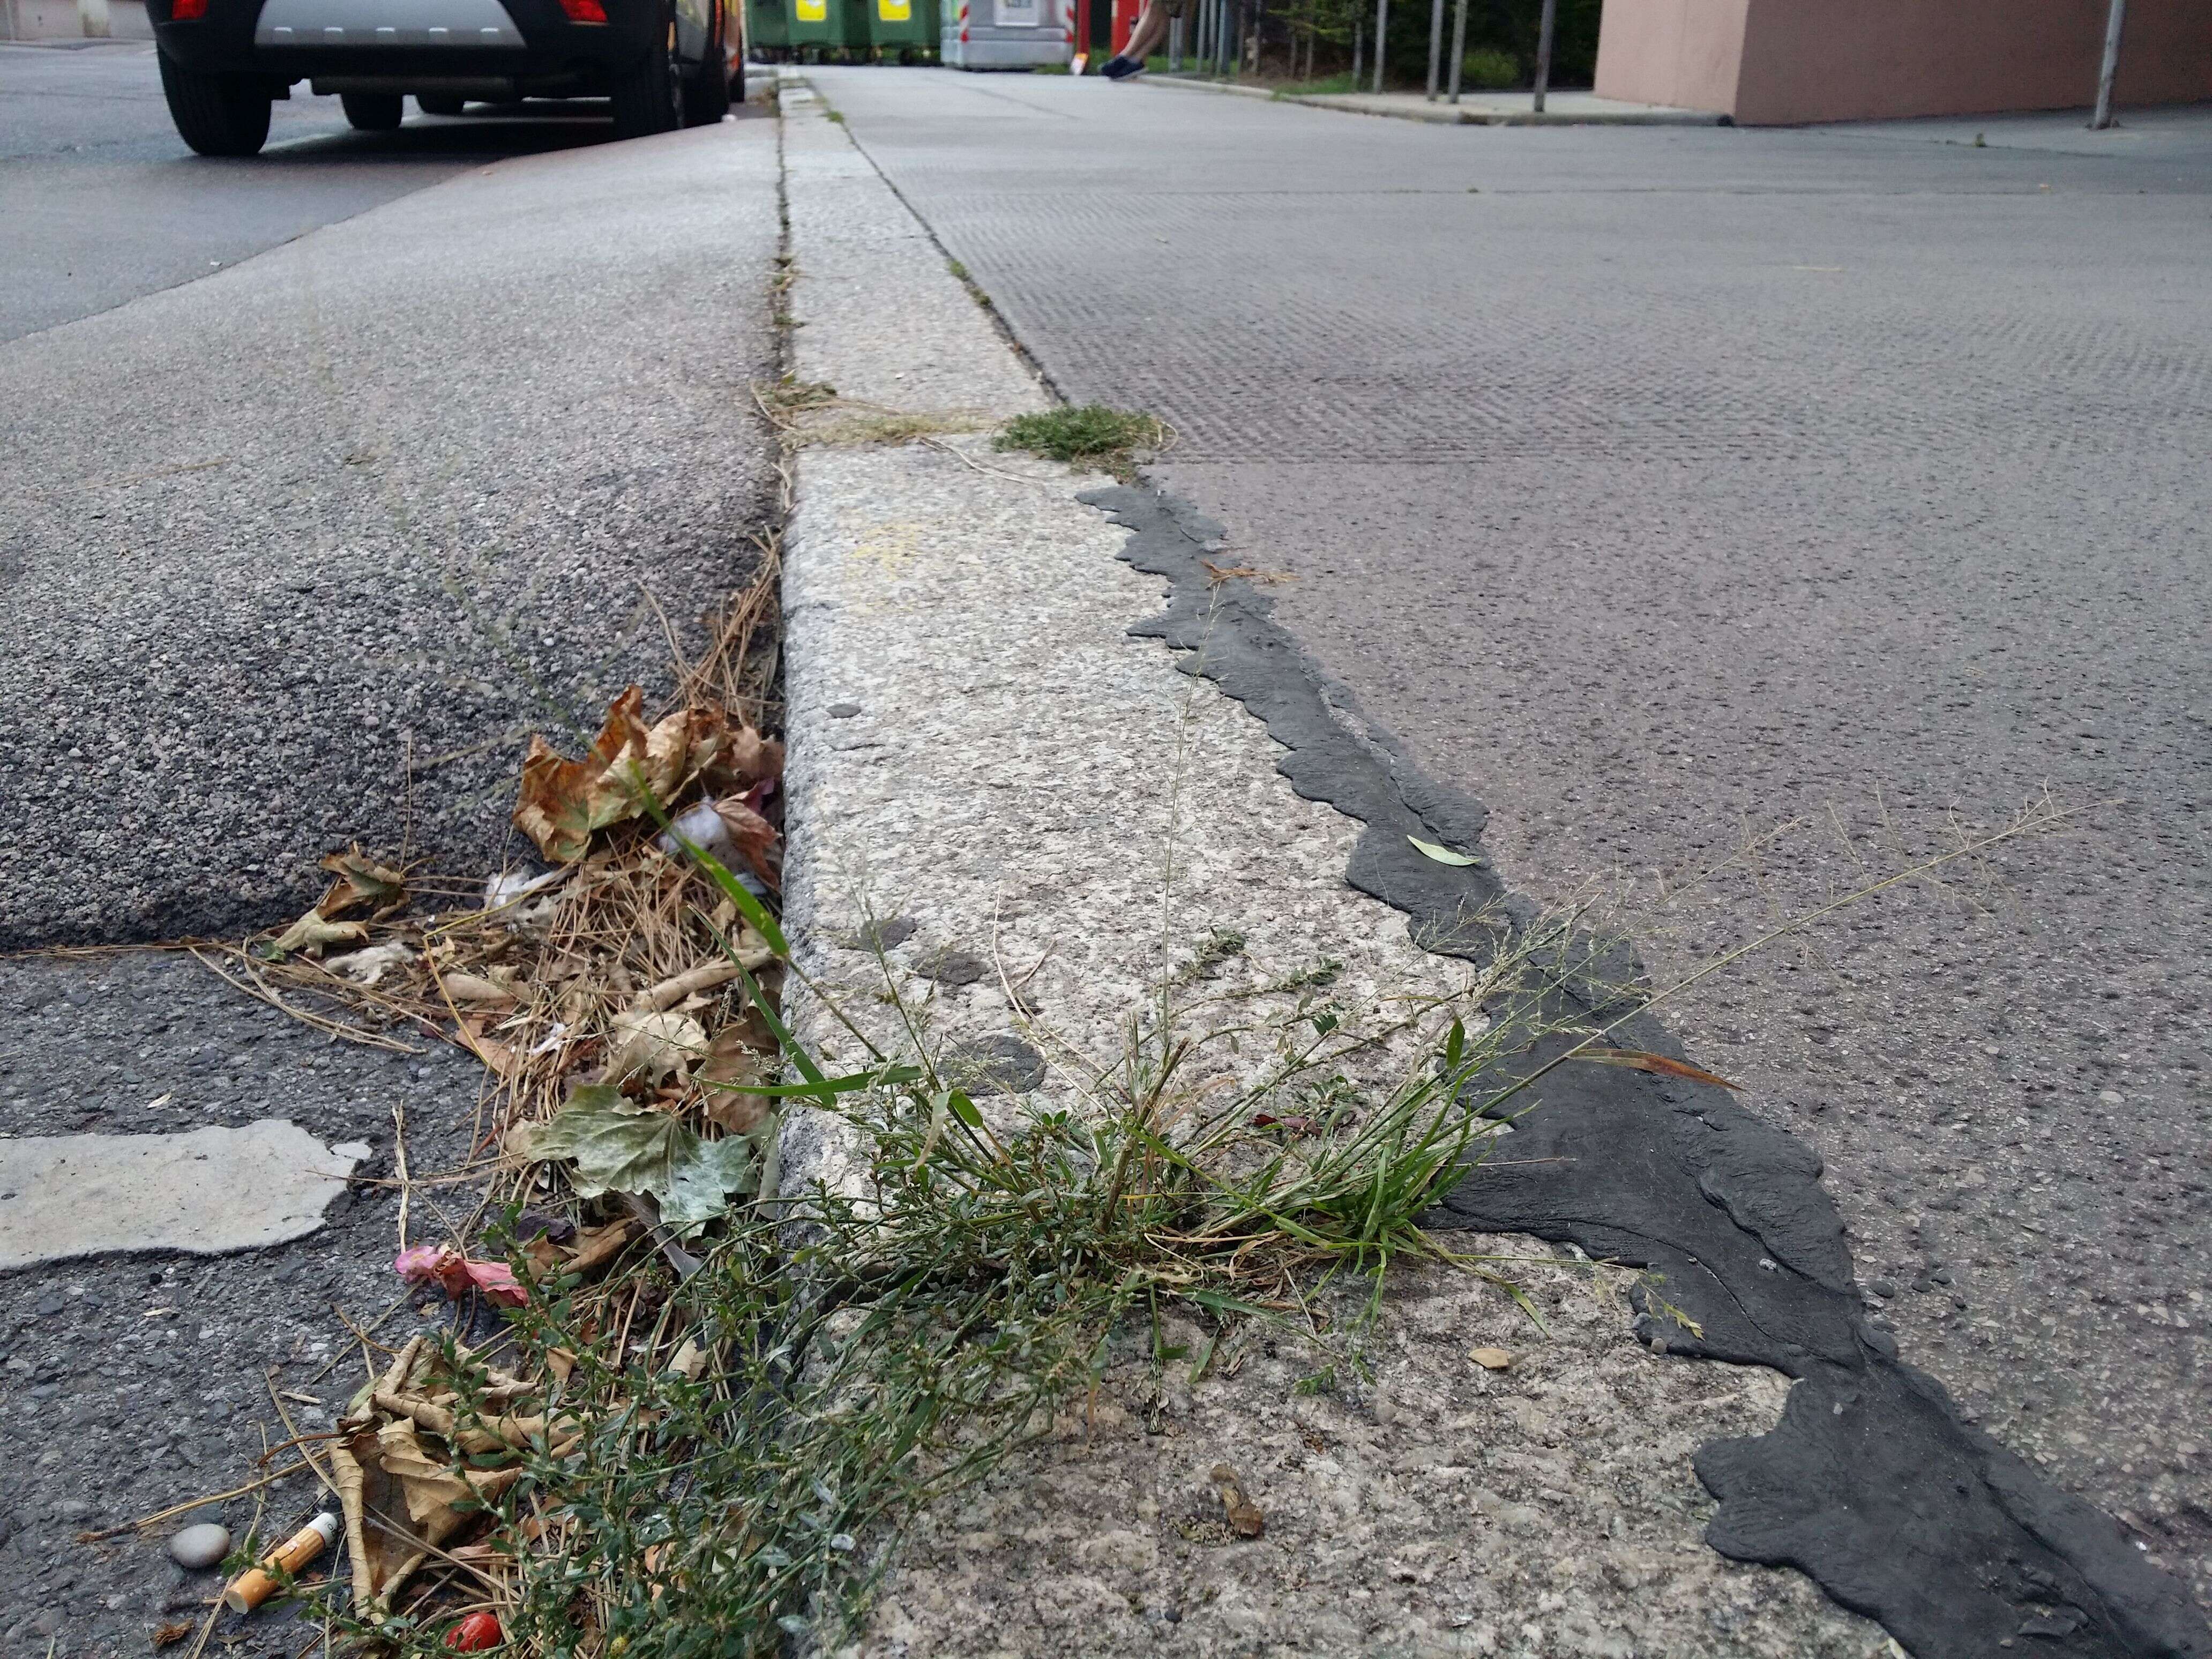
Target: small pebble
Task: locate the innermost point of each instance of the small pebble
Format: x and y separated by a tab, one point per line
1491	1360
200	1547
2111	1097
843	711
1883	1287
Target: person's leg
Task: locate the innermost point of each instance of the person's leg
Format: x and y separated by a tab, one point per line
1151	29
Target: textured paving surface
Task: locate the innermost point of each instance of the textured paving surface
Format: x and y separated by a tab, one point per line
1665	488
303	550
104	202
1500	108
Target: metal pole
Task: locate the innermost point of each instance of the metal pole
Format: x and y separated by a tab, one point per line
1435	44
1458	46
1381	33
1174	46
2115	21
1359	42
1543	51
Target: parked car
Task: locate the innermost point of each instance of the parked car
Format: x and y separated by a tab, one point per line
661	63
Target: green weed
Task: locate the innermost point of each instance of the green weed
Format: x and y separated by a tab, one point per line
1092	435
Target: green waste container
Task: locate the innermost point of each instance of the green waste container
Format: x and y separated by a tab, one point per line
768	29
819	28
902	31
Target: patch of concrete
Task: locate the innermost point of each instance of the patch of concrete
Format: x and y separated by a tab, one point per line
207	1192
982	749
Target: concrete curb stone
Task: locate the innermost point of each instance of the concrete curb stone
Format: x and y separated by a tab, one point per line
1017	772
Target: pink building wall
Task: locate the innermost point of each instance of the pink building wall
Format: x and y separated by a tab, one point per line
1772	61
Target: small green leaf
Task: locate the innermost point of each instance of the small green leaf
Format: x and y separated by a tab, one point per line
1429	849
964	1109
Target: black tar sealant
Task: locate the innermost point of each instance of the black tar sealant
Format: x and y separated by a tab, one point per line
1871	1483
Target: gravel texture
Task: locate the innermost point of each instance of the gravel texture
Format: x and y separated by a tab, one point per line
1434	1508
1665	488
131	1382
304	550
1025	783
394	491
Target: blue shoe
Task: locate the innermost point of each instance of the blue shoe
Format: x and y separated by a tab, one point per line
1121	69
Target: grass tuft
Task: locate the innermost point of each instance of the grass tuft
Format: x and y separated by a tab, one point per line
1092	434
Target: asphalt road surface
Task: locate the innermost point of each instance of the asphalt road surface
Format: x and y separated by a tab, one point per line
104	202
302	548
1742	516
330	476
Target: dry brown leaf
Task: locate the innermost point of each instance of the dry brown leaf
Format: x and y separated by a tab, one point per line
690	1361
598	1246
474	988
546	1258
497	1057
758	840
1491	1360
175	1631
1245	1519
735	1057
563	802
658	1044
360	881
1658	1064
399	1505
312	932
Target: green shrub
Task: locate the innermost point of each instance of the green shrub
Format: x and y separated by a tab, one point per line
1487	69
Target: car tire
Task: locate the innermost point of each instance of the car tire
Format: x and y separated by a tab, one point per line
373	111
436	104
216	114
707	95
646	94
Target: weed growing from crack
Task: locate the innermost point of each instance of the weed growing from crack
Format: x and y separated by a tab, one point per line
895	1330
1091	434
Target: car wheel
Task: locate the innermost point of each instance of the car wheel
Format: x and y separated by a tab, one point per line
706	93
216	114
373	111
436	104
647	96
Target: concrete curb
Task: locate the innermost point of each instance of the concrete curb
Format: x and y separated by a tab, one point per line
982	751
1449	115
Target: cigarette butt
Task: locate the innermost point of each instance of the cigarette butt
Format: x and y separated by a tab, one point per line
257	1584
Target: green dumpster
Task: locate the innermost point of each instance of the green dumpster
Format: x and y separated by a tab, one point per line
767	30
818	28
905	31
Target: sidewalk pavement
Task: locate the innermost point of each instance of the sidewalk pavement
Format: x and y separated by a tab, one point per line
2179	133
1474	109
